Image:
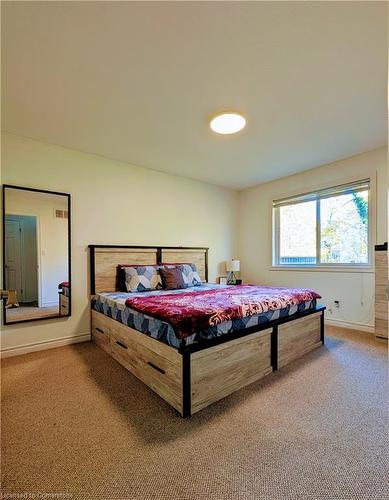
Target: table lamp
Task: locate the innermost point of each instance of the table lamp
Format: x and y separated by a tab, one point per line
232	266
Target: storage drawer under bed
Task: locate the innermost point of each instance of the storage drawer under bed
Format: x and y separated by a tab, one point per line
298	337
214	372
155	364
63	305
159	373
223	369
101	331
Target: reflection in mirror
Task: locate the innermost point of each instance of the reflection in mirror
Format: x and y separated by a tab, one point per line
36	235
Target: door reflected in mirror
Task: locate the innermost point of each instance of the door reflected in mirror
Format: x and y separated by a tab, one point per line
36	258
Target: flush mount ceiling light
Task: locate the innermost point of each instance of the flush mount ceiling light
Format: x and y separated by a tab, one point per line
228	123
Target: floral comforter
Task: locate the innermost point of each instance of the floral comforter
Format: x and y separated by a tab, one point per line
193	311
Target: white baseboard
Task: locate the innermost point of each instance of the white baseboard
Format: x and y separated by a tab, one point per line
41	346
352	326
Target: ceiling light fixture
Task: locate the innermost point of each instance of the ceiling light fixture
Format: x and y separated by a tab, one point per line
228	123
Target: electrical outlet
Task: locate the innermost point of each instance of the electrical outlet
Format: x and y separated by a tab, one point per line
337	304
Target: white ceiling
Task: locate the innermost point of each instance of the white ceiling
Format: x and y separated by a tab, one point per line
138	82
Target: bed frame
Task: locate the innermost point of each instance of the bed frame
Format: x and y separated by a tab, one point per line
196	375
63	304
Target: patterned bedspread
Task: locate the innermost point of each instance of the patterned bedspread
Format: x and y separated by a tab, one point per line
113	305
193	311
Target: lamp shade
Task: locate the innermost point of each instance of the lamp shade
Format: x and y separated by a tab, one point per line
232	265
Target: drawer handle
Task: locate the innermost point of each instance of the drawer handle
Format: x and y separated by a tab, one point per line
121	345
99	330
156	368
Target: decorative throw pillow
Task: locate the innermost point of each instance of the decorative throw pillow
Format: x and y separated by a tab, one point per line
172	278
190	274
121	278
142	278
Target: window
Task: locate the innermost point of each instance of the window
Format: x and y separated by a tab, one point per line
328	227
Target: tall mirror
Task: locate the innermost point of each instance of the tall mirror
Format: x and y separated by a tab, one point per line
36	254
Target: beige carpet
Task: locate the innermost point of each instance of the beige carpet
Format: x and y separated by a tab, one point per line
76	424
23	312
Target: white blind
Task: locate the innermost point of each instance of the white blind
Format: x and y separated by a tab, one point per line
352	187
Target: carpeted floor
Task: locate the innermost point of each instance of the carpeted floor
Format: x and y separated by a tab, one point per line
22	313
76	425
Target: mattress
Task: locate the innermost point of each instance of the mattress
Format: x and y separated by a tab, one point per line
113	305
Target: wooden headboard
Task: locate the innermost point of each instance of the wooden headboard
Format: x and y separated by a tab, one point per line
104	260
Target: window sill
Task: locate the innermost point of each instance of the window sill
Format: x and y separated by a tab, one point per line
326	269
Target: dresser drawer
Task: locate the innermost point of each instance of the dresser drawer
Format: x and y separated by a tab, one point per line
381	301
381	328
381	268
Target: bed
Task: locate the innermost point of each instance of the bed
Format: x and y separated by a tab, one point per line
63	295
193	366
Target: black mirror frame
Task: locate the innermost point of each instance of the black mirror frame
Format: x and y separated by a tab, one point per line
10	186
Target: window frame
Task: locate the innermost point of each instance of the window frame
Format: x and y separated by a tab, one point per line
323	266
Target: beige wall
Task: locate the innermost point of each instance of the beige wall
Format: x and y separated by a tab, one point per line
116	203
354	290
